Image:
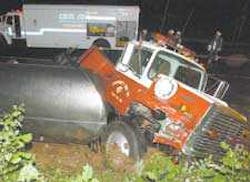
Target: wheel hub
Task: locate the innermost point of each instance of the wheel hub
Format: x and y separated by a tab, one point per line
119	140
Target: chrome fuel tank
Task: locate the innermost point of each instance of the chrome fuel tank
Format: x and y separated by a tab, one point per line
61	103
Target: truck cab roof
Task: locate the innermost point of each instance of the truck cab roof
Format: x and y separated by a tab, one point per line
156	46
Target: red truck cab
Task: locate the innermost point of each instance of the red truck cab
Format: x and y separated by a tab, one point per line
166	90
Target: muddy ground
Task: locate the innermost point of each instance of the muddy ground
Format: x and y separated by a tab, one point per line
69	159
62	162
65	157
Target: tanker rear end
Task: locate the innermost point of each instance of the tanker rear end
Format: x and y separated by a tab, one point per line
62	103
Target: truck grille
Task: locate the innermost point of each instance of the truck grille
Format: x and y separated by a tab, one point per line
219	125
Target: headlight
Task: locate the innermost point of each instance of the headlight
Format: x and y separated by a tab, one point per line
165	87
175	126
171	129
169	125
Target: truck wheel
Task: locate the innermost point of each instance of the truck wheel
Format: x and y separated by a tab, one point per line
3	44
102	43
125	137
61	59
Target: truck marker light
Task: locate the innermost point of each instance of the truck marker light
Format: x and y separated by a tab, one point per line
185	111
183	108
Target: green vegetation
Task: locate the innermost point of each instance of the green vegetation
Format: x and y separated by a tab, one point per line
158	167
17	165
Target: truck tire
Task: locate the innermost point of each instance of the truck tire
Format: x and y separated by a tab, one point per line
102	43
125	137
61	59
3	44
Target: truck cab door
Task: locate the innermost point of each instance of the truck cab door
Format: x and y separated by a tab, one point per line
9	25
134	62
17	26
13	26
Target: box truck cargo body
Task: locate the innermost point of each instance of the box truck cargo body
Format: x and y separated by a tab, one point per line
63	26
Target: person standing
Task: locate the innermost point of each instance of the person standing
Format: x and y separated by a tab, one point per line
214	47
178	38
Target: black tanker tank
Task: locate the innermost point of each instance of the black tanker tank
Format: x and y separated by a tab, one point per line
62	103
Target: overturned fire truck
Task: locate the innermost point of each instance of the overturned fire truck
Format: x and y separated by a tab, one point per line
155	93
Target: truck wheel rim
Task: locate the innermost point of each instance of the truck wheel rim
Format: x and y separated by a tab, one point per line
119	140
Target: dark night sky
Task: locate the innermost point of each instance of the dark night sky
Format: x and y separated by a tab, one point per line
207	15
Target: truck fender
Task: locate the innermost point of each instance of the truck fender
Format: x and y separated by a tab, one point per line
101	42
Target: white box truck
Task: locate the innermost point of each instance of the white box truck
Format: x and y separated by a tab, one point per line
63	26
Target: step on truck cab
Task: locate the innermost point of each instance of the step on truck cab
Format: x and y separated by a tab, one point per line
163	91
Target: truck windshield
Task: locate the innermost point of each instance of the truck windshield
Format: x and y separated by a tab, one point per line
188	76
175	66
9	20
139	59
